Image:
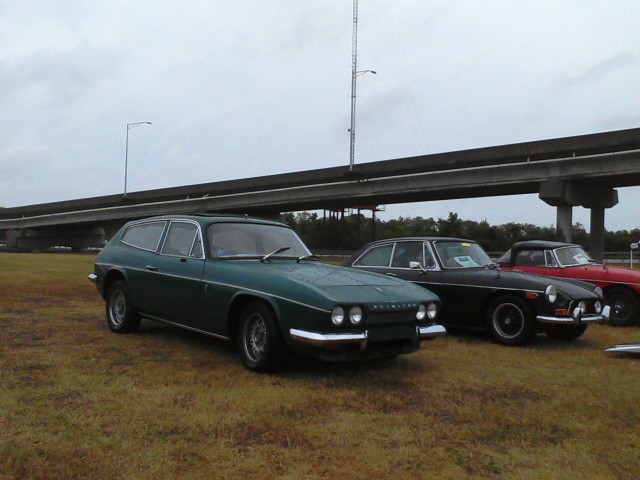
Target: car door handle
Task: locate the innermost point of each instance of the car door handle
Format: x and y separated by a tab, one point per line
152	268
391	274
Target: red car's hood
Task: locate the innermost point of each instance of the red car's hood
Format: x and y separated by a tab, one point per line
605	272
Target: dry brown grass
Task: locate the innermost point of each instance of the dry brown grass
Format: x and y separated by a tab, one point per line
77	401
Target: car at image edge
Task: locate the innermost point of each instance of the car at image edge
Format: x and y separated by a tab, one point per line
253	281
621	286
476	293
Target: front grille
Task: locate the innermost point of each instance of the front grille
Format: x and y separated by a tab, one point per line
391	318
590	306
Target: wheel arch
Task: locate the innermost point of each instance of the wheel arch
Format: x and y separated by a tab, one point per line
112	276
237	305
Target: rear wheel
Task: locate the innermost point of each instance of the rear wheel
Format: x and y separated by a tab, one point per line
624	307
259	340
510	320
121	316
565	332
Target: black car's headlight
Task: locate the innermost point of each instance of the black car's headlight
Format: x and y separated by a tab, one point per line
355	315
551	294
337	315
583	307
598	291
597	307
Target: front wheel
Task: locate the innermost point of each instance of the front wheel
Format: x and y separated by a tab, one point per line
259	339
510	320
565	332
624	307
121	316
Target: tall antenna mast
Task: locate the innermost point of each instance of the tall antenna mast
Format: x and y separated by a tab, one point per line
354	74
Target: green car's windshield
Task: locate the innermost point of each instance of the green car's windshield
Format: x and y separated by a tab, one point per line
572	256
254	240
456	254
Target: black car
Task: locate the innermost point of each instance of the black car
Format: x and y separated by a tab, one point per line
475	292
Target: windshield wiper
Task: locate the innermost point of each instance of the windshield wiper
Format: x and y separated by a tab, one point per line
491	266
275	252
305	257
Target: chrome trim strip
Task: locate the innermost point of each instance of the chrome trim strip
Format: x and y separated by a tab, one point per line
323	339
481	286
428	332
93	277
161	320
209	282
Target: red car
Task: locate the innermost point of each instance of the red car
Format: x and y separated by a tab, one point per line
621	286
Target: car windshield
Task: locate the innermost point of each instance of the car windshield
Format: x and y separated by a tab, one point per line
457	254
254	240
572	256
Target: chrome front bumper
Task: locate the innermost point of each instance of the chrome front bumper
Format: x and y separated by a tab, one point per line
577	318
316	339
93	278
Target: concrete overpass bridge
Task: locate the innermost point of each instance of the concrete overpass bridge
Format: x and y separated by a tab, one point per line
573	171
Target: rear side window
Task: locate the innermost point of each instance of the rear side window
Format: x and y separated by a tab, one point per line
180	239
145	236
376	257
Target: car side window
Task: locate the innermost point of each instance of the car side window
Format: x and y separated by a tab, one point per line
405	253
530	258
376	257
429	261
550	259
145	236
180	239
196	250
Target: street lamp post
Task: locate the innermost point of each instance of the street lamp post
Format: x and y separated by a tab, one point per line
126	151
354	74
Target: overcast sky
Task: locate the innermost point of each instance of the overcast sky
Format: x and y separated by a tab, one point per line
244	88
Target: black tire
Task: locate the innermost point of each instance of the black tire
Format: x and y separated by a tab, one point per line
259	341
510	320
624	306
121	316
564	332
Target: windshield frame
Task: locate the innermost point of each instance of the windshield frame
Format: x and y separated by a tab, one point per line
232	240
590	261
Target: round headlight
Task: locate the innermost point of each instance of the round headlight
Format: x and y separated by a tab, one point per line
597	306
551	293
598	291
337	315
355	315
583	307
432	311
422	312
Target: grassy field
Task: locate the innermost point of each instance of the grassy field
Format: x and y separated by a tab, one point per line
77	401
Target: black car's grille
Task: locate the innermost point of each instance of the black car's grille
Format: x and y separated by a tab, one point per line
391	318
589	303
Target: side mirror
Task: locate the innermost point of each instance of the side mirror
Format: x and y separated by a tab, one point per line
417	266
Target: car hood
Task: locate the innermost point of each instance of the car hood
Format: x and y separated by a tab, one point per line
526	281
608	273
318	283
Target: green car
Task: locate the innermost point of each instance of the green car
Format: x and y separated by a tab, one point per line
254	282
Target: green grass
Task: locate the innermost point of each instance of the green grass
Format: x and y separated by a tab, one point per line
77	401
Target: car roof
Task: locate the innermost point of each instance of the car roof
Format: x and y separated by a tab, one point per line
204	219
540	244
419	239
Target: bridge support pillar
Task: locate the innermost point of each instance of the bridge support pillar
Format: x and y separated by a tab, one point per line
565	195
78	238
564	222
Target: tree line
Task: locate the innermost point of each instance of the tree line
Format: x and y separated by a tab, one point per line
349	231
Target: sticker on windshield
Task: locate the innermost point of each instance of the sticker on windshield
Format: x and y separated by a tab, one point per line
466	261
465	244
581	259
